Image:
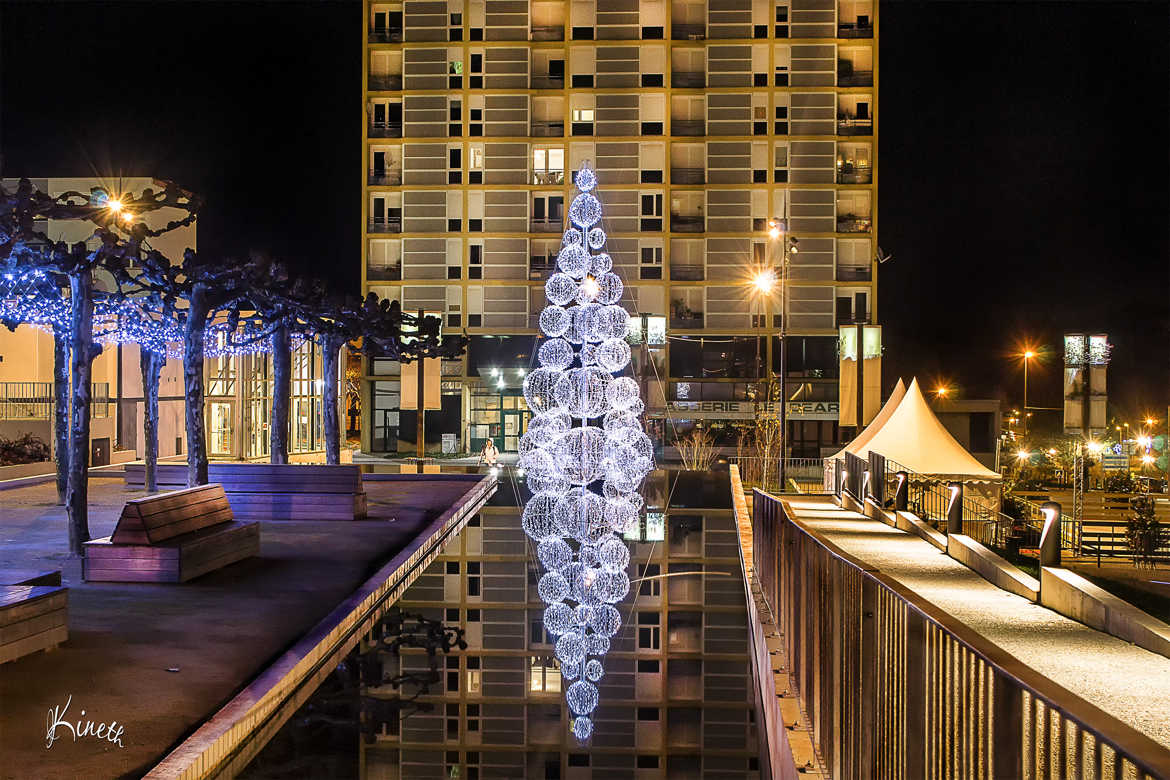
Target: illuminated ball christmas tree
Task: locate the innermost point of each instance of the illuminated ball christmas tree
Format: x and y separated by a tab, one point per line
585	454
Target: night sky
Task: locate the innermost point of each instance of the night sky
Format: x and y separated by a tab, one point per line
1024	160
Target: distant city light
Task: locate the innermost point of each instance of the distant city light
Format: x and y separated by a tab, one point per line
1023	455
764	281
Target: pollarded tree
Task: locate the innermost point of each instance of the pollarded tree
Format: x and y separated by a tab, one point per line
118	242
201	294
371	326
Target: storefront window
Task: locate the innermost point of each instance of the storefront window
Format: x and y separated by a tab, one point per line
718	357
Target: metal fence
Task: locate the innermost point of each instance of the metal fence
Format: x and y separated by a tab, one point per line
800	474
34	400
894	687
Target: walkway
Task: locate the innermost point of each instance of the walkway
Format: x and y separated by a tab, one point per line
1124	680
160	659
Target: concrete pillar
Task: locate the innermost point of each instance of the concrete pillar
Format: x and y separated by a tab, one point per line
902	492
955	508
1050	535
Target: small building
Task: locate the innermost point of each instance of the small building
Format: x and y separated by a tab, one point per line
974	422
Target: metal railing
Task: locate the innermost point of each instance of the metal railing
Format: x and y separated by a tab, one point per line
541	129
384	225
854	224
854	126
386	35
384	82
853	273
546	81
385	129
688	32
688	79
34	400
853	30
857	78
547	33
764	473
894	687
688	175
687	272
855	175
385	177
384	273
929	498
687	223
688	126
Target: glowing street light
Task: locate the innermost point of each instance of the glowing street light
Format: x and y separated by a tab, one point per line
1147	459
1144	441
1023	455
773	228
114	205
1094	447
764	281
942	391
1027	355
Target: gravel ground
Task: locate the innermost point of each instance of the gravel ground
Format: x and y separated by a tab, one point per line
1122	679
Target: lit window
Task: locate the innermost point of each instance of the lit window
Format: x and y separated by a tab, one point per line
473	680
544	676
655	526
582	114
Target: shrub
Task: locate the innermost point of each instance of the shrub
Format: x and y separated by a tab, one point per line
1143	533
1121	482
25	448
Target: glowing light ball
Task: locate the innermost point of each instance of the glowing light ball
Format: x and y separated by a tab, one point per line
539	388
560	289
570	648
613	354
558	619
573	260
552	588
582	697
555	320
556	353
594	671
585	210
613	555
554	554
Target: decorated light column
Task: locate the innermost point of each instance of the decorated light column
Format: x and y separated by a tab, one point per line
585	454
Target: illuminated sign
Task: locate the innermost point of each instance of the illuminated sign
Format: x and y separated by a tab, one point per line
748	410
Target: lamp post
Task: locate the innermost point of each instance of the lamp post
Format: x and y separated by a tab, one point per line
765	281
1027	355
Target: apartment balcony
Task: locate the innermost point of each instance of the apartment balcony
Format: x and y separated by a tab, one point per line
854	126
854	78
385	130
548	129
547	33
386	35
686	223
540	267
546	81
688	32
853	273
384	82
688	127
385	178
548	177
384	225
851	174
851	223
686	273
688	175
544	226
688	79
687	321
854	30
852	318
384	273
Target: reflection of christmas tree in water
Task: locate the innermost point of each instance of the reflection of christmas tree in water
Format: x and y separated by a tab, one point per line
585	454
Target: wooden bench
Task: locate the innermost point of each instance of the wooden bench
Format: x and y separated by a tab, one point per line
32	618
261	491
171	537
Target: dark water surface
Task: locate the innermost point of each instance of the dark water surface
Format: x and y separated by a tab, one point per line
676	698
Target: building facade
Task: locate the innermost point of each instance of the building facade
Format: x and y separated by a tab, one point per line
725	136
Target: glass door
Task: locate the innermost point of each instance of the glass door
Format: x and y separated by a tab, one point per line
220	438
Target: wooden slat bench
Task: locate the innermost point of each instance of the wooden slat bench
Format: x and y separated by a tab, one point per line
261	491
32	618
172	537
30	577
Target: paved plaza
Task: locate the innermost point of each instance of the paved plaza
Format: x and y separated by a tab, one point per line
161	658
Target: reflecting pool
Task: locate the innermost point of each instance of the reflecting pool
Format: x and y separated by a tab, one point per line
676	698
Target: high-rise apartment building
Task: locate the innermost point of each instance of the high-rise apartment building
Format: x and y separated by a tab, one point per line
731	138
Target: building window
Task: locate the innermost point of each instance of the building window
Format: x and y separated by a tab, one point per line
650	586
473	581
544	675
650	265
651	211
649	631
474	676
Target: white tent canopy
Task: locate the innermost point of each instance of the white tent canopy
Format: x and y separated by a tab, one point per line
876	423
913	437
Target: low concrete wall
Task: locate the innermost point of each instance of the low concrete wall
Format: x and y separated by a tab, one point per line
911	524
1073	596
23	470
991	567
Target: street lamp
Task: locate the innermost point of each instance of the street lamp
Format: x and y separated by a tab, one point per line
942	391
1027	355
